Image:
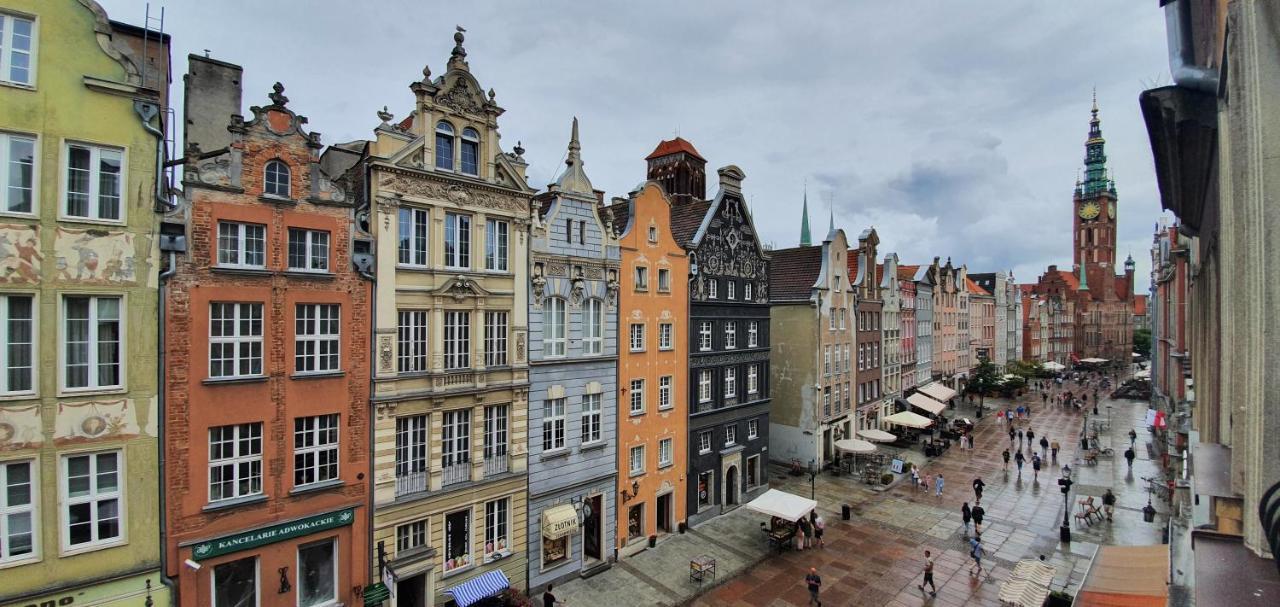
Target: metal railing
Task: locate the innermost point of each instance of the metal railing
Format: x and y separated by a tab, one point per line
457	473
412	482
495	465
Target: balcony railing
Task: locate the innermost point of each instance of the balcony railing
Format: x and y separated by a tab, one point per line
457	473
495	465
412	482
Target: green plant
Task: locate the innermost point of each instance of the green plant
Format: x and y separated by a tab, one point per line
886	478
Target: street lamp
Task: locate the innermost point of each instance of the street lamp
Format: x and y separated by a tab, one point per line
1064	483
813	476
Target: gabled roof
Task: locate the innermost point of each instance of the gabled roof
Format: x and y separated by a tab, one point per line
686	218
1140	305
674	146
619	212
852	257
974	288
1071	279
792	273
907	272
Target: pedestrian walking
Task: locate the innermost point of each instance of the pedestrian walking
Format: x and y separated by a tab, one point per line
803	532
1005	455
548	599
1031	437
1035	465
1044	398
1000	417
1028	411
814	582
1109	503
925	483
1021	436
915	478
1053	448
976	551
819	526
1013	434
1044	447
978	514
1020	409
966	514
938	483
1019	459
977	488
1133	437
928	574
1129	455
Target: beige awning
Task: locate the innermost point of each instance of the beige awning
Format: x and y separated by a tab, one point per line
908	419
938	392
1134	576
559	521
921	401
877	435
853	445
1053	366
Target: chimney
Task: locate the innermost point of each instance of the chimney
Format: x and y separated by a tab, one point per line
731	179
211	96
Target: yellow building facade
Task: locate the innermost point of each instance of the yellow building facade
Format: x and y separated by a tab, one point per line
82	101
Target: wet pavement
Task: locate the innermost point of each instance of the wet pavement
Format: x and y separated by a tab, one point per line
877	557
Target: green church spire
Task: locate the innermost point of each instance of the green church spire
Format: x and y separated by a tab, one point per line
1084	278
1095	157
805	239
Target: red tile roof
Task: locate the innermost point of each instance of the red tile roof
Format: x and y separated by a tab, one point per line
674	146
1140	305
973	287
792	273
1071	279
908	272
1027	289
686	218
853	265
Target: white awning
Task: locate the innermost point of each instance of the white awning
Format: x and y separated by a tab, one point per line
1093	361
853	445
938	392
908	419
1053	366
782	505
559	521
924	402
876	435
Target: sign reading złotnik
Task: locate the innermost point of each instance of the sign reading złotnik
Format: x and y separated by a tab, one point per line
270	535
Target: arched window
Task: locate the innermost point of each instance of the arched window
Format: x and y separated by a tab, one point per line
553	328
593	327
276	182
444	146
470	151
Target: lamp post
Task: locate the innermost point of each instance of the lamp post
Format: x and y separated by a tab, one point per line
813	476
1064	483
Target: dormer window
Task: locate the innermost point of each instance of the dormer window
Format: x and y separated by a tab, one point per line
470	151
444	146
276	179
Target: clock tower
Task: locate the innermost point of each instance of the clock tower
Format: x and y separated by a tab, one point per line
1094	206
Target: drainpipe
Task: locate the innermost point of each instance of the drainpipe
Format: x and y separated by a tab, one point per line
160	417
1182	63
146	111
370	546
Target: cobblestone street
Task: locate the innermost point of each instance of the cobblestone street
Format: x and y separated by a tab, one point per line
876	558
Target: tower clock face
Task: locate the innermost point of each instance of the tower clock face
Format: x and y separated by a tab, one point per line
1111	210
1089	210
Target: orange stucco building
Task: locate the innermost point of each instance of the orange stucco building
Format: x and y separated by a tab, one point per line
652	504
267	363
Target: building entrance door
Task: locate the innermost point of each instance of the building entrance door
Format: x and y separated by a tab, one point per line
411	591
664	513
591	530
731	486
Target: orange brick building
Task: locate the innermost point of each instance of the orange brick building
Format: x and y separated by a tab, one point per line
652	504
267	380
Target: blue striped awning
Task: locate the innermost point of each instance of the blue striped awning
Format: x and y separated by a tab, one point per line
482	586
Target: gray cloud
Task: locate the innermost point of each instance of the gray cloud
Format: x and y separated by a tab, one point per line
956	128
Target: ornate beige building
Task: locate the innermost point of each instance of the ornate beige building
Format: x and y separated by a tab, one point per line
451	213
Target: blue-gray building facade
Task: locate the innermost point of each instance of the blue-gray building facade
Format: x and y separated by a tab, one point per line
573	319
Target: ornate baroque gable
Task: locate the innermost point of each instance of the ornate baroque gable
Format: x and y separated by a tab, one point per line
392	184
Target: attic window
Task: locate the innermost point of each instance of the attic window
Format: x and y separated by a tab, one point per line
653	234
276	182
470	152
444	146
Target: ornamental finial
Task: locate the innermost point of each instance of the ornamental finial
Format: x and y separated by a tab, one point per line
277	94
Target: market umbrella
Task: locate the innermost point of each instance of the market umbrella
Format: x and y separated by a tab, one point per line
877	436
853	445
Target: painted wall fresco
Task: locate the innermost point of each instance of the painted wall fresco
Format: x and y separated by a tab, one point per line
96	420
19	254
20	427
95	256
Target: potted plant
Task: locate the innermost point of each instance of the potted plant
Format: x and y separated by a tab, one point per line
886	478
1059	598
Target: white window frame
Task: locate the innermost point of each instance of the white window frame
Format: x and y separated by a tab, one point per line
455	438
240	436
497	249
242	352
270	182
495	338
826	361
553	425
711	288
730	334
497	517
412	341
469	137
753	334
593	327
665	450
417	223
7	139
6	46
313	241
316	438
33	344
95	498
636	332
642	278
457	340
410	536
412	439
242	240
93	343
746	291
704	386
836	365
665	332
664	392
553	337
731	290
10	512
704	336
847	356
636	465
730	382
636	397
94	212
333	573
460	236
325	355
753	429
467	537
592	411
730	435
664	280
753	379
704	442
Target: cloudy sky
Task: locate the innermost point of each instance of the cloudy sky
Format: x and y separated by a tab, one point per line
954	128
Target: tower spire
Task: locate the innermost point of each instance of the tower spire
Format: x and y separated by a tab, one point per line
1095	158
1084	277
805	239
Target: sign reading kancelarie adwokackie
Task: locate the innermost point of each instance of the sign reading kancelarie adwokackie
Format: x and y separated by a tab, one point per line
270	535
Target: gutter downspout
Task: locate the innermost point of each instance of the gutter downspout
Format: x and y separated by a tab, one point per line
1182	64
146	111
370	545
160	417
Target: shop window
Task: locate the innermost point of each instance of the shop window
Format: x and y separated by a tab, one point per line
317	574
235	584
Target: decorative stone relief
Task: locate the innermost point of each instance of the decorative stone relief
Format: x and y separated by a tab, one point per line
558	270
612	288
385	354
520	339
577	288
460	98
426	188
539	286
